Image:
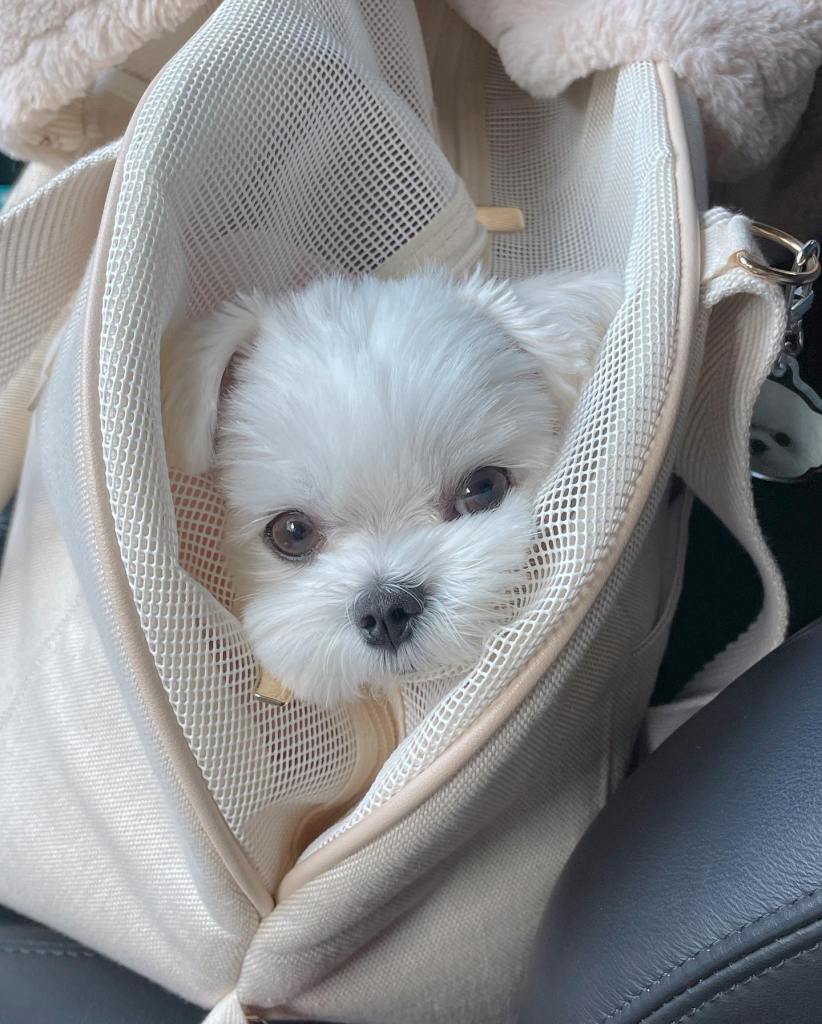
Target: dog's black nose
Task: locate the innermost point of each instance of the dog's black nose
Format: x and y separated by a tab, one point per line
385	614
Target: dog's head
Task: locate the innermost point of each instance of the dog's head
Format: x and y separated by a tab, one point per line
379	446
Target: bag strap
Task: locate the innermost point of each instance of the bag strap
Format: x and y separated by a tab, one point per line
745	317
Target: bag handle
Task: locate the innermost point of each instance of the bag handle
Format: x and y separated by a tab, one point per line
744	305
45	243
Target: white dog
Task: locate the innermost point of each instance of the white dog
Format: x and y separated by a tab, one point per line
379	445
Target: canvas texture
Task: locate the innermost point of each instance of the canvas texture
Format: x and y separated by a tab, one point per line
384	861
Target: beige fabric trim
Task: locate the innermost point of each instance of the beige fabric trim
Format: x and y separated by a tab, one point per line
122	606
458	59
416	791
454	235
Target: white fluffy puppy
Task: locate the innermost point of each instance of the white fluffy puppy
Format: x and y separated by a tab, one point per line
379	445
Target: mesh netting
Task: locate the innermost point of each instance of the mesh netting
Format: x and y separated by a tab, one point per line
263	156
288	140
592	172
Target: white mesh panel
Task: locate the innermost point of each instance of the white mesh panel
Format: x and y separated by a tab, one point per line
593	174
287	140
264	155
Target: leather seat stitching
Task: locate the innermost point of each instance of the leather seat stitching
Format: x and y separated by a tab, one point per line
705	949
754	977
46	951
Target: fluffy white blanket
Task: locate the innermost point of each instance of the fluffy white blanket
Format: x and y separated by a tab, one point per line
51	54
751	63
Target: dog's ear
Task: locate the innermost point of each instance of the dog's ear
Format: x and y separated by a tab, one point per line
560	318
193	362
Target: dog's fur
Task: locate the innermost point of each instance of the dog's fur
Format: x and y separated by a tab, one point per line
365	404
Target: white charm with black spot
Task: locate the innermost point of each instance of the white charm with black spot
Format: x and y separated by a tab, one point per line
786	430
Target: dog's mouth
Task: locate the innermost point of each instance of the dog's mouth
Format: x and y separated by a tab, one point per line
397	662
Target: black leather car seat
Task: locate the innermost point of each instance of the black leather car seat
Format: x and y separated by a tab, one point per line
696	895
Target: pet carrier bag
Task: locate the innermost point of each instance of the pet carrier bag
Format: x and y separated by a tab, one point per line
386	861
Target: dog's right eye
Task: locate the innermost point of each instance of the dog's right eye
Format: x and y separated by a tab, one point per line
292	534
484	489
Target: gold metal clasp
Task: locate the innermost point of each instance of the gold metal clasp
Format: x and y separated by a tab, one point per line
806	263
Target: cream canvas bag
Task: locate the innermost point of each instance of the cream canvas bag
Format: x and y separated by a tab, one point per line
386	861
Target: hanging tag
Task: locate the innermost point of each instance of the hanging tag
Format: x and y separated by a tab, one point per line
786	427
501	218
786	430
272	691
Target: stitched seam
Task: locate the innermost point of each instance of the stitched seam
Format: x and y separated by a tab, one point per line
20	690
754	977
46	951
705	949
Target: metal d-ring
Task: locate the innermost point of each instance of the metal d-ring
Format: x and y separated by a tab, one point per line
810	258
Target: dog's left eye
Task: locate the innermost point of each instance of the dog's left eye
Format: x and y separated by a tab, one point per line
483	489
292	534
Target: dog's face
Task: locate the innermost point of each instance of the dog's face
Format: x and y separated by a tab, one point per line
379	447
